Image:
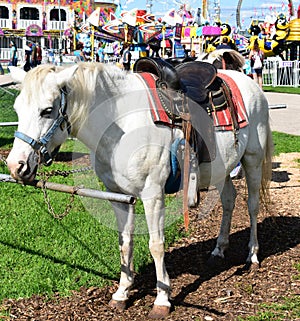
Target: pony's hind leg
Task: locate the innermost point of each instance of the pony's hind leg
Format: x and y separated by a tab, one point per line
228	195
125	219
253	174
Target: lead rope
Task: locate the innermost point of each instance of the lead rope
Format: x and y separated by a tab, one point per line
51	210
45	176
186	167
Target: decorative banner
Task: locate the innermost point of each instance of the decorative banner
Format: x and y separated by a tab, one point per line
178	31
172	17
149	17
150	31
80	7
211	31
46	2
111	28
34	30
94	18
150	28
119	31
68	32
130	17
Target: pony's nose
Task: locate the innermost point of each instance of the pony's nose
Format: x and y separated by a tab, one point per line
22	168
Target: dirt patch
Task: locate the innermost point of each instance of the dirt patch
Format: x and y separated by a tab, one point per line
200	292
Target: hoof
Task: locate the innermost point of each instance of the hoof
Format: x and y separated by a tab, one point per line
254	267
118	305
215	261
159	312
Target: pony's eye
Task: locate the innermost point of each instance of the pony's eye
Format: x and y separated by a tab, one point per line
46	112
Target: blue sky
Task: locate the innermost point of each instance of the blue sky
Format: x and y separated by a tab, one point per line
249	8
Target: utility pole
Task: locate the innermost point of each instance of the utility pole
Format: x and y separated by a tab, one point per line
149	6
60	34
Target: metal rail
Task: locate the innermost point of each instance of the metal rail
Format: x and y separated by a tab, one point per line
12	123
86	192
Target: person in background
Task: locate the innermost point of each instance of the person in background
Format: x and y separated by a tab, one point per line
33	59
13	54
78	53
100	52
126	56
51	56
45	56
193	54
1	68
256	57
39	54
186	51
224	44
27	65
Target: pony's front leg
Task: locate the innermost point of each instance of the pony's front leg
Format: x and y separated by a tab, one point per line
228	196
125	218
155	215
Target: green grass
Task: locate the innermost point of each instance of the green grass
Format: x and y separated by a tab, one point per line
288	309
285	143
287	90
7	114
43	255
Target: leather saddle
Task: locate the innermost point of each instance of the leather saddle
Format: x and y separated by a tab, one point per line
189	83
191	89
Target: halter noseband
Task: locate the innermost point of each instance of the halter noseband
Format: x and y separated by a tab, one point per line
40	145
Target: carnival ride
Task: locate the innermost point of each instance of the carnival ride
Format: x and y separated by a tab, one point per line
182	26
239	6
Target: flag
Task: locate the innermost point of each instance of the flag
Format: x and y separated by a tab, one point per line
118	11
93	19
130	17
85	27
149	17
172	17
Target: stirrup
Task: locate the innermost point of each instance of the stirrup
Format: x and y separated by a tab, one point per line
193	192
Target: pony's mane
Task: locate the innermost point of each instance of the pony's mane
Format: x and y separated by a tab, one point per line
89	79
33	78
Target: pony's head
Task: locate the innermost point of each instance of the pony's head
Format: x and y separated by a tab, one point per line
42	118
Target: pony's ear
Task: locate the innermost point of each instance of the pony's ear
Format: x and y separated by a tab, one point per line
64	76
17	74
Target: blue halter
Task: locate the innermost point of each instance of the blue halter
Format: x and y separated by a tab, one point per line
40	145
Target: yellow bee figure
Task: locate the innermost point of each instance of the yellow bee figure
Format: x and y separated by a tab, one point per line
282	31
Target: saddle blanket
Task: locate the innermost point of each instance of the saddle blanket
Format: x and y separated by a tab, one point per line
221	117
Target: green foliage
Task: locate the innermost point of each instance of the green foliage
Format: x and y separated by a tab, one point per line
285	143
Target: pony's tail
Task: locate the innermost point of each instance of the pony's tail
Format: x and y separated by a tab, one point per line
267	170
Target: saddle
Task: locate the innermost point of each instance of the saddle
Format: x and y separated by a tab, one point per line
189	92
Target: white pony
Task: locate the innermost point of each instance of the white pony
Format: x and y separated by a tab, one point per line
108	111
